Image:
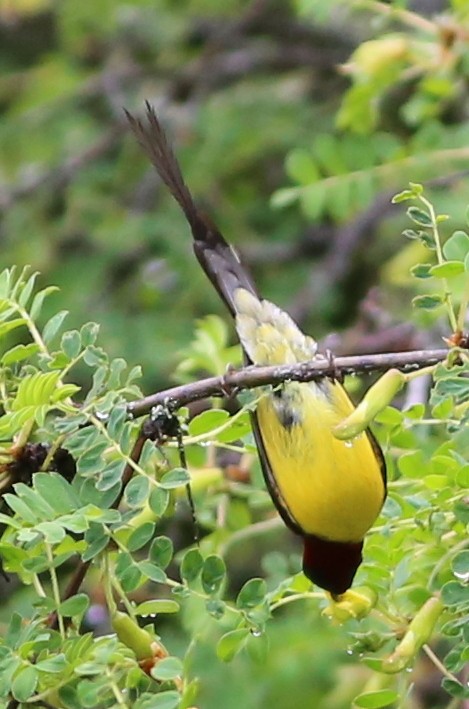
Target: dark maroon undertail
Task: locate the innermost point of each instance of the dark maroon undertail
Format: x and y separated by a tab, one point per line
331	565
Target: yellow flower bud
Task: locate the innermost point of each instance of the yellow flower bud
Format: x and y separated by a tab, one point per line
132	635
375	400
351	604
376	55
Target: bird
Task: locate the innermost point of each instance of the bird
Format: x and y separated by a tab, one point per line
327	491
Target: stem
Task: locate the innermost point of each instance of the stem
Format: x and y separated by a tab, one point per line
24	434
442	561
441	259
55	588
38	587
296	597
438	663
116	691
31	325
119	590
116	447
405	16
463	307
420	373
111	604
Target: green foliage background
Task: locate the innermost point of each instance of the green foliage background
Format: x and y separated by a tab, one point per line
296	160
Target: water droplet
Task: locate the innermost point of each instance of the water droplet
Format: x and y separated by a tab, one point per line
349	444
464	577
256	632
349	651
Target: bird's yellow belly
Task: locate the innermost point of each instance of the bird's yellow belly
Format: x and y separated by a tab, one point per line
333	489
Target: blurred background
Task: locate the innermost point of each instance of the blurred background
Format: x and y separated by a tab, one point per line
295	122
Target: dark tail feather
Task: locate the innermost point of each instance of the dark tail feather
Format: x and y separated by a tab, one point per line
219	261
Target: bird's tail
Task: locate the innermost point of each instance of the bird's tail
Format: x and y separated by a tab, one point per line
217	258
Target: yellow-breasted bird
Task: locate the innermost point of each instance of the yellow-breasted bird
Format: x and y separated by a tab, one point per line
326	490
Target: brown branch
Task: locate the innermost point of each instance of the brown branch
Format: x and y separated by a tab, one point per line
251	377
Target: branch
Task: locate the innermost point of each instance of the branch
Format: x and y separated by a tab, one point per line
253	376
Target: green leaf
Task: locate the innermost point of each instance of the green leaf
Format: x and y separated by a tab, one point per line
97	539
35	390
53	325
38	301
412	464
313	200
52	532
89	333
415	191
167	669
449	269
175	478
165	700
137	491
284	197
257	647
427	302
301	167
19	354
231	643
158	605
460	565
116	421
24	683
26	290
161	551
132	578
252	594
191	565
215	608
455	688
375	700
213	574
9	325
71	343
57	491
454	593
52	665
207	421
21	508
141	536
36	564
456	247
403	196
110	476
158	501
75	605
421	270
419	217
153	572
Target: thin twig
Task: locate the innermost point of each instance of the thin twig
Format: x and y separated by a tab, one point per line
251	377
